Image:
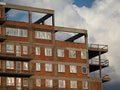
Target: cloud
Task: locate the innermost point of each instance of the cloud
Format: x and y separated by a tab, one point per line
101	20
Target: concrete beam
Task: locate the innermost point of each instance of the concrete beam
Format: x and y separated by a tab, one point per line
73	30
26	8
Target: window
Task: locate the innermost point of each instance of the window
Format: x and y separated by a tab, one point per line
61	83
60	52
73	69
38	82
38	68
72	53
25	50
42	35
83	55
25	65
61	68
48	67
18	83
48	52
25	82
37	49
16	32
10	81
85	84
84	70
9	64
73	84
10	48
49	83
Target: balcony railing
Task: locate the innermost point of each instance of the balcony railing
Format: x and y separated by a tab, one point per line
15	72
95	61
98	46
6	56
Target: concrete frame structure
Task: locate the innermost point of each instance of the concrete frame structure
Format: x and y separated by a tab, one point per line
93	83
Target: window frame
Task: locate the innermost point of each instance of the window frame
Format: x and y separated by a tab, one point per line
73	84
9	64
49	83
10	81
38	66
25	80
73	69
38	82
48	51
25	66
48	67
83	55
85	84
37	50
61	68
25	50
72	53
83	70
62	83
10	50
60	52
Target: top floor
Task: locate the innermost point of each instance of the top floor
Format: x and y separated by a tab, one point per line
26	14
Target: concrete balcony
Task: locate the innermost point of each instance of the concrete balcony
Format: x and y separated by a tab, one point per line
96	50
95	64
6	56
16	73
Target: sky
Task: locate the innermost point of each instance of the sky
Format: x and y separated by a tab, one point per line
100	17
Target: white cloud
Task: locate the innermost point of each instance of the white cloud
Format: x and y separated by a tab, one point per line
102	21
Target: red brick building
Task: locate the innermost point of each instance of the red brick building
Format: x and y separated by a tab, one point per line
31	58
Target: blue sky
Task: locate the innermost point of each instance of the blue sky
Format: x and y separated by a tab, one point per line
87	3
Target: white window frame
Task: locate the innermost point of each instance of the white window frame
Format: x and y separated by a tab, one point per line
61	68
10	81
25	49
73	69
38	82
61	83
83	55
73	84
10	48
38	66
48	67
25	82
60	52
25	65
37	50
9	64
16	32
85	85
43	35
48	51
49	83
83	69
72	54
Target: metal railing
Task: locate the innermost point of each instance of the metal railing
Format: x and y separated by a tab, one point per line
98	46
95	61
15	71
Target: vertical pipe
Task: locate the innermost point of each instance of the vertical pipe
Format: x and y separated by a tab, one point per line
100	71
